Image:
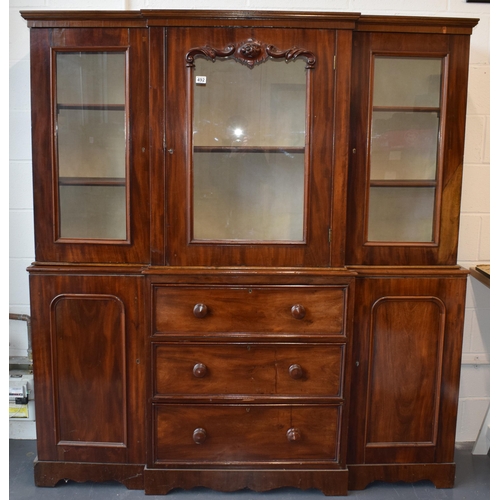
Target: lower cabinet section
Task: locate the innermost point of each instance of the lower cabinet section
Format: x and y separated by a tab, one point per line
406	372
89	360
162	383
248	385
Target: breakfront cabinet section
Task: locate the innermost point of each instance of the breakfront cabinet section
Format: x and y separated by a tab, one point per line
408	105
89	360
248	377
250	177
246	230
90	144
406	367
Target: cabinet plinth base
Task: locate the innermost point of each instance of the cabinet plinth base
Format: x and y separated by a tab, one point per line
161	481
441	475
50	473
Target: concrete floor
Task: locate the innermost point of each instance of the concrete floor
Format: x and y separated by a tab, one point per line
472	482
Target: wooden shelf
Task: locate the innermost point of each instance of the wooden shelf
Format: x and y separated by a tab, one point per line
403	183
249	149
91	107
92	181
406	109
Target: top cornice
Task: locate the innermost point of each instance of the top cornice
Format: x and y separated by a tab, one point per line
212	18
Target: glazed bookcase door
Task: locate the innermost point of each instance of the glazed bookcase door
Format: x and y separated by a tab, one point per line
95	166
256	161
405	176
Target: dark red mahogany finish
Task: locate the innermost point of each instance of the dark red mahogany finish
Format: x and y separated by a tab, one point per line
164	362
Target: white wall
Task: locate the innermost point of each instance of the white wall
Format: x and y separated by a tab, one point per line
474	233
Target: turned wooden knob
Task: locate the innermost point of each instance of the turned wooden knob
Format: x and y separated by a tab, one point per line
199	370
298	311
200	310
199	435
293	434
295	371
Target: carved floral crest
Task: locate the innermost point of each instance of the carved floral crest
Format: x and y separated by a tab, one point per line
250	53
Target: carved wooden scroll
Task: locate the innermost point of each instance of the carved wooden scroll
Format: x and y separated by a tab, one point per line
250	53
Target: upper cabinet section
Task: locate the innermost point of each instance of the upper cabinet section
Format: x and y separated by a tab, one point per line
408	105
90	144
249	179
230	138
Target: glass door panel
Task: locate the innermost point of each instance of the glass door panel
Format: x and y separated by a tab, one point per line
91	145
249	139
404	148
401	214
404	145
407	81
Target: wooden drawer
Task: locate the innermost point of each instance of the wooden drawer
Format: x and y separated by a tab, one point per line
249	368
226	434
273	309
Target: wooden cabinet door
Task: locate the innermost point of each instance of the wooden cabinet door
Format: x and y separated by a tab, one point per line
406	368
89	366
249	166
408	106
90	144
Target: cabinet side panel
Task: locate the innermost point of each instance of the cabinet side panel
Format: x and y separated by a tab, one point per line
88	335
41	139
454	147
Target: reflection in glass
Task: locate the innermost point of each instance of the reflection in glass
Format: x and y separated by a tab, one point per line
91	145
249	129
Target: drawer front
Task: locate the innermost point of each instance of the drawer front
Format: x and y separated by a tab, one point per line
249	368
233	433
278	309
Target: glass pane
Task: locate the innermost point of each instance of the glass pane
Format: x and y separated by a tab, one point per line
404	149
256	196
404	145
249	129
92	212
91	144
401	214
407	81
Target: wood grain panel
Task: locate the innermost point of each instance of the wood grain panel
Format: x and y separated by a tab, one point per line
88	338
405	376
406	365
